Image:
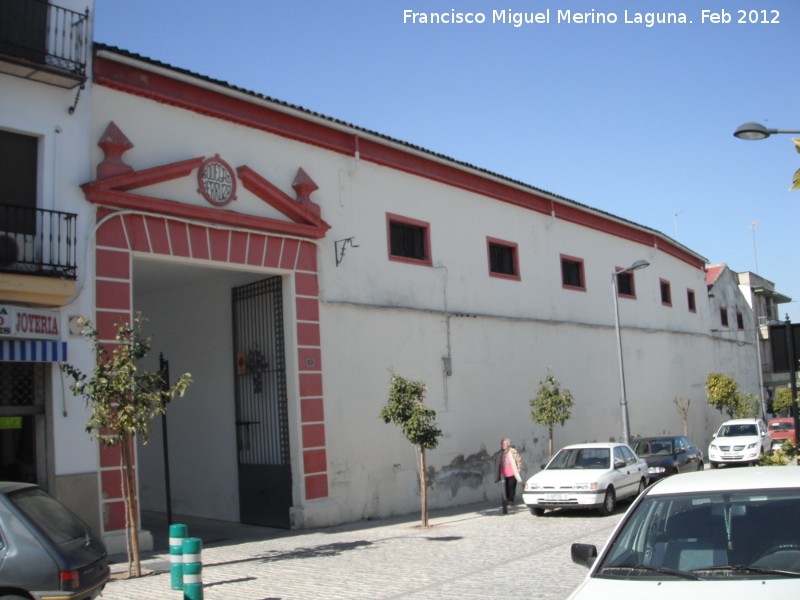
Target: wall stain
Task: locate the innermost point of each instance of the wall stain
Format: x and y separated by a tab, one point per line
470	471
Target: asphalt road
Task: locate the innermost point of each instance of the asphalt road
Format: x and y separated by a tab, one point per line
468	553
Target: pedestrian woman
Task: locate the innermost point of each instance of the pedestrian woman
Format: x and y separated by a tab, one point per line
508	470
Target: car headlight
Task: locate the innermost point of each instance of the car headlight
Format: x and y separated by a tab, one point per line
751	446
532	487
712	447
656	470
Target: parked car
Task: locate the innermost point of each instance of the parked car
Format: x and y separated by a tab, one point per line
780	430
740	441
731	533
46	551
587	476
668	455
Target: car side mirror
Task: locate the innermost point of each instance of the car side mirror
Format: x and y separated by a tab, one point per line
584	554
618	464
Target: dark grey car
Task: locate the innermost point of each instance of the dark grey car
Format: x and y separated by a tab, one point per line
667	455
46	551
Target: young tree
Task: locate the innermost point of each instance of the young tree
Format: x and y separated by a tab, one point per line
682	406
123	400
551	406
405	407
723	393
782	402
747	406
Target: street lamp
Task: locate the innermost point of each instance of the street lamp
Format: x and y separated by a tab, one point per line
639	264
756	131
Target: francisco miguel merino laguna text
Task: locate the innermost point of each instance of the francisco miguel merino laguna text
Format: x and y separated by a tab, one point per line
518	18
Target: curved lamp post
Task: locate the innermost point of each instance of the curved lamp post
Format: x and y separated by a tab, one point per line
639	264
756	131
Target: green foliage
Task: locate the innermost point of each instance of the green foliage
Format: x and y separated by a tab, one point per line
552	405
778	457
405	407
723	393
123	398
747	406
782	401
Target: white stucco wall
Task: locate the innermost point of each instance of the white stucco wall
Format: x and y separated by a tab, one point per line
41	111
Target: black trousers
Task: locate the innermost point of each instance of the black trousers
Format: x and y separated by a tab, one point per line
511	488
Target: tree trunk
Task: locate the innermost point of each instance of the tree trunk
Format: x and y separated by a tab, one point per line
131	506
423	486
550	441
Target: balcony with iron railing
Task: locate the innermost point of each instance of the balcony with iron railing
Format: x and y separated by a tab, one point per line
43	42
35	241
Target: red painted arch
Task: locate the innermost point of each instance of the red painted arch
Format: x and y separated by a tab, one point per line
176	230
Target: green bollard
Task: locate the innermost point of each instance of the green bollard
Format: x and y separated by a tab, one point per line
192	569
177	533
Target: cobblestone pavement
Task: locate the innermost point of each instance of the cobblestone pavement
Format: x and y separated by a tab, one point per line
471	552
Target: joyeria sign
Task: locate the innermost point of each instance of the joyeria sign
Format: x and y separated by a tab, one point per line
17	321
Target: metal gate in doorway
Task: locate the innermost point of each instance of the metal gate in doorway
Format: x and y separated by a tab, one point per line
262	429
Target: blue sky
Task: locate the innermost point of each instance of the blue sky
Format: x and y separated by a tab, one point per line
633	120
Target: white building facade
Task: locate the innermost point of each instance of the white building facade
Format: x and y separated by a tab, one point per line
291	263
45	93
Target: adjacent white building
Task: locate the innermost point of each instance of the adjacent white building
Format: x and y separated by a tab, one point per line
291	262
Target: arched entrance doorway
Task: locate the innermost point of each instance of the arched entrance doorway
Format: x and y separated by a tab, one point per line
134	229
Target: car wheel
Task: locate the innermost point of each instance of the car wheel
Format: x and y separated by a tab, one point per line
642	487
534	511
609	502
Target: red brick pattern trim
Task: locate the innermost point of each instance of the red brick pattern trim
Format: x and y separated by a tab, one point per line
316	486
118	236
314	461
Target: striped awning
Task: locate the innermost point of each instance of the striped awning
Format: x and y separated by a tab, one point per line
33	351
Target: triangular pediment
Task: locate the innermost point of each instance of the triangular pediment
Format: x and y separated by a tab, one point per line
218	193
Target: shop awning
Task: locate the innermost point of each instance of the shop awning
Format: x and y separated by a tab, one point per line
33	351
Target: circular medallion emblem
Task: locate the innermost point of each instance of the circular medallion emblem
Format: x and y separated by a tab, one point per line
217	182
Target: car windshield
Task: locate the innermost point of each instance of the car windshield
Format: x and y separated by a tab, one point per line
781	426
737	430
653	447
55	521
743	534
581	458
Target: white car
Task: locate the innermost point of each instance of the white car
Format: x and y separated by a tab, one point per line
740	441
587	476
732	533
